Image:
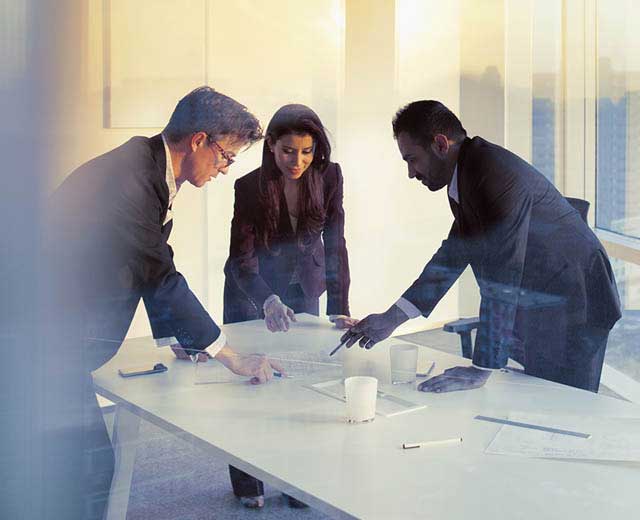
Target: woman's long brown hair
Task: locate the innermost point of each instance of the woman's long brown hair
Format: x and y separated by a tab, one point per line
299	120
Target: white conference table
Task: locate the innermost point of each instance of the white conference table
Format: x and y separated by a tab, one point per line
298	441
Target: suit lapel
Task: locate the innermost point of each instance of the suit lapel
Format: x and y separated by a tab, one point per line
455	208
156	145
159	156
285	222
469	221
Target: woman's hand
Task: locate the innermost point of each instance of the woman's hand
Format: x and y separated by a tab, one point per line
277	315
344	322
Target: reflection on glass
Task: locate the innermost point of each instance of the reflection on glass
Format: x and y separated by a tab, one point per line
618	118
546	85
623	353
13	44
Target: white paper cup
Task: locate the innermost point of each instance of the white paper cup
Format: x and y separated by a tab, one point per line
404	363
361	393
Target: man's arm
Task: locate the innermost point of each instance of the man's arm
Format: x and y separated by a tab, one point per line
442	271
507	214
444	268
173	309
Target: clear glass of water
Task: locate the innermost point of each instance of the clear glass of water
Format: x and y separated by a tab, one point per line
404	363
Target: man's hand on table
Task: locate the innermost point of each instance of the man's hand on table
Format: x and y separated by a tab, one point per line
375	328
182	354
256	366
455	379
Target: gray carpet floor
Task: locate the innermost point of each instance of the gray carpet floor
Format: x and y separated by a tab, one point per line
173	480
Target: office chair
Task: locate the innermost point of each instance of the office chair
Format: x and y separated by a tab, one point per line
464	326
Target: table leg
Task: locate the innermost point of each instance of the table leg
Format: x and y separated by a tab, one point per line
125	440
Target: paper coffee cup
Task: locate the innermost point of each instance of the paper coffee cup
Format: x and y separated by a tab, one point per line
361	393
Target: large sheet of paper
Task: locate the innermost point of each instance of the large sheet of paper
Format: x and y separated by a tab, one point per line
296	365
612	439
308	364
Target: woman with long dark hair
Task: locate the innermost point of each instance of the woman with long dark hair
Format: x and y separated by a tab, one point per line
287	240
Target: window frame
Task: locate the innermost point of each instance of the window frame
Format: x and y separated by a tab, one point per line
623	247
580	118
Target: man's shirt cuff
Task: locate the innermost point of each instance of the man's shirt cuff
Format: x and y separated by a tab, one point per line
408	308
217	345
166	342
487	369
212	349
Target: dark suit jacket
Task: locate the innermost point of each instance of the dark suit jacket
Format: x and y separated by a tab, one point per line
254	272
111	246
520	235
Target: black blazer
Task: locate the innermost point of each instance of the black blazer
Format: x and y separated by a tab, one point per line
520	236
107	222
254	272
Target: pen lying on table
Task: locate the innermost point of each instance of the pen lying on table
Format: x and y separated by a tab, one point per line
426	444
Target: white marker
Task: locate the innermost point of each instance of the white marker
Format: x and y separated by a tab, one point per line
445	442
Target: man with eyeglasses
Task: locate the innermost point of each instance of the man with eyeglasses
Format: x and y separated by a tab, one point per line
109	225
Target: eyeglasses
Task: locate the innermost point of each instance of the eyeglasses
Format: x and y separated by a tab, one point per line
225	155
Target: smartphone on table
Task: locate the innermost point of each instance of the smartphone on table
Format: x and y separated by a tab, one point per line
141	370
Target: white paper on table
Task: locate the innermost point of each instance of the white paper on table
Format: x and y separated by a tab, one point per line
612	439
213	372
387	404
303	364
296	365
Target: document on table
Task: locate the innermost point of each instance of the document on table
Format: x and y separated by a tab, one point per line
612	439
296	365
213	372
302	364
387	404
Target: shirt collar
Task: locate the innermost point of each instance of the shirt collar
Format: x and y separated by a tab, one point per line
170	178
453	186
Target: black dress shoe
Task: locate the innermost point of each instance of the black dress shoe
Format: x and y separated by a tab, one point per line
294	502
252	502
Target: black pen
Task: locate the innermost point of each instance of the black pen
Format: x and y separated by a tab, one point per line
338	347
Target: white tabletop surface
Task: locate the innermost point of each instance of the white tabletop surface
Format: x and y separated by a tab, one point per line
298	440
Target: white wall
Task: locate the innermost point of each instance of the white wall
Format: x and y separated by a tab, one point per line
354	61
100	115
428	66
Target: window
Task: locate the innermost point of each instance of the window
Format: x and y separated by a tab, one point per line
546	86
617	165
622	350
618	118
